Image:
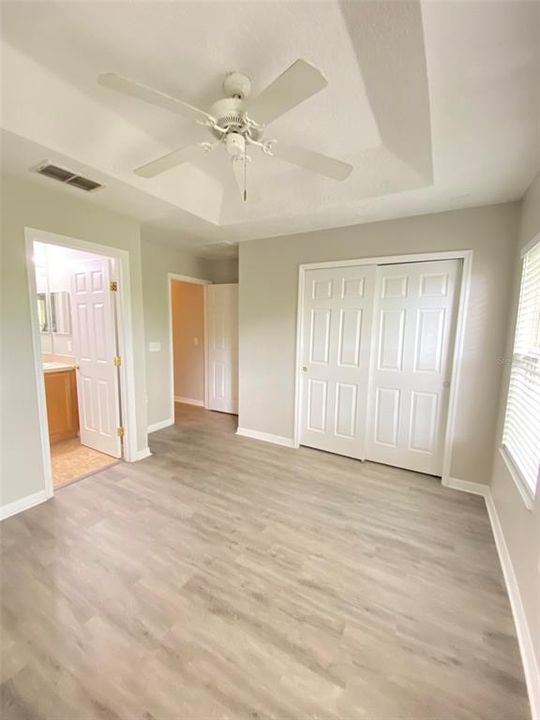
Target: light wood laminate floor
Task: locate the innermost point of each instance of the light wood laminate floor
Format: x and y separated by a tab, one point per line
227	578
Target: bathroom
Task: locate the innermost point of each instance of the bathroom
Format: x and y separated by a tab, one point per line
71	338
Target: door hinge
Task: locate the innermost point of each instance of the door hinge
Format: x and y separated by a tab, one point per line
117	360
120	431
113	285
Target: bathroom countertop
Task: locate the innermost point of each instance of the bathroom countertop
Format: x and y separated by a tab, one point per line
57	366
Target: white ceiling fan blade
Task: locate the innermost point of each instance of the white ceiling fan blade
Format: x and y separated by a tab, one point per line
172	159
292	87
312	161
154	97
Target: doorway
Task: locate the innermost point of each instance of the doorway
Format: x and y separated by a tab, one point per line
187	321
204	346
80	338
78	335
378	352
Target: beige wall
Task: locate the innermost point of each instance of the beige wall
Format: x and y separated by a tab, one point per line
27	204
160	257
268	300
520	526
224	270
187	305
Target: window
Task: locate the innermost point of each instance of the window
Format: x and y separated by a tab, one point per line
521	436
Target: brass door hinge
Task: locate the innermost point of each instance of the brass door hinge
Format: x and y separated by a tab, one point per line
113	286
117	360
120	431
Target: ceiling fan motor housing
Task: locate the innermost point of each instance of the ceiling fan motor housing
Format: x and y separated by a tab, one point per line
230	115
237	85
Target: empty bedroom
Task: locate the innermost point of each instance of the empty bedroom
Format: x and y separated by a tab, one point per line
270	360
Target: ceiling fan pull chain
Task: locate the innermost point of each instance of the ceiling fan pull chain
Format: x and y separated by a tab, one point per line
245	177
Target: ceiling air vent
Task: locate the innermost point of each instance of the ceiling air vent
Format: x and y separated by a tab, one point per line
67	176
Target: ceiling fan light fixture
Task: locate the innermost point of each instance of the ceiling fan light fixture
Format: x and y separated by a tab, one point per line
235	143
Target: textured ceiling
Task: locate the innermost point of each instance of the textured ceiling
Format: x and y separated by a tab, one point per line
434	104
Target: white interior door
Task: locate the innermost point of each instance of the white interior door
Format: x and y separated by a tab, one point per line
222	347
337	315
411	364
94	345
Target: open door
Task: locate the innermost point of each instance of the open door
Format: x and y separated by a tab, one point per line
222	347
95	349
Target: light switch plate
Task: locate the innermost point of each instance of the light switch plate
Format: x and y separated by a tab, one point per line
154	346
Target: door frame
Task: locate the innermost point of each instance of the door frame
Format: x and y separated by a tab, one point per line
466	256
125	341
194	281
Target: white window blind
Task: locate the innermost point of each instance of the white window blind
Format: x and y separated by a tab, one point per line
521	436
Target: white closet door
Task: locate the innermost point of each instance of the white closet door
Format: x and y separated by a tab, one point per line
337	316
222	347
411	364
94	345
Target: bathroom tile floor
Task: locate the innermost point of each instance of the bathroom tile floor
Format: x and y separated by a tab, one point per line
71	461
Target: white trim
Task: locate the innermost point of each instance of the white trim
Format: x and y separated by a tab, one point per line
526	646
188	401
529	246
24	503
466	486
459	334
389	259
530	667
298	357
206	365
194	281
524	490
142	454
189	279
266	437
38	371
455	377
154	427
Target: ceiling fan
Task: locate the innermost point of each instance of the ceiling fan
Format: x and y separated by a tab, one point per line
237	121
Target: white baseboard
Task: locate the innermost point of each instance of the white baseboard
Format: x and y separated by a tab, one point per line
466	486
266	437
24	503
526	646
189	401
141	454
530	666
160	425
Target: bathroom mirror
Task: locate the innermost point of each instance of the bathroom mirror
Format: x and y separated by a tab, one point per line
43	313
60	313
54	313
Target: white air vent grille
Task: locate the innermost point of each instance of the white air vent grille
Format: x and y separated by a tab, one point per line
67	176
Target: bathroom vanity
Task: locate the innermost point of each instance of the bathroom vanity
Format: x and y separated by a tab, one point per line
62	404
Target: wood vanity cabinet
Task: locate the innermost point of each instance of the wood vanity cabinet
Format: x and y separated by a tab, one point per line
62	406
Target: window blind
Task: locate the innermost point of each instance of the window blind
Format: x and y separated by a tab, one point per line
521	435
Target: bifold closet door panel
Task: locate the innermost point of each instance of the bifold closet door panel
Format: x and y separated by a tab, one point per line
415	311
337	310
222	347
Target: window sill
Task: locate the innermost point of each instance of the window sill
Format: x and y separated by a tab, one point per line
524	490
